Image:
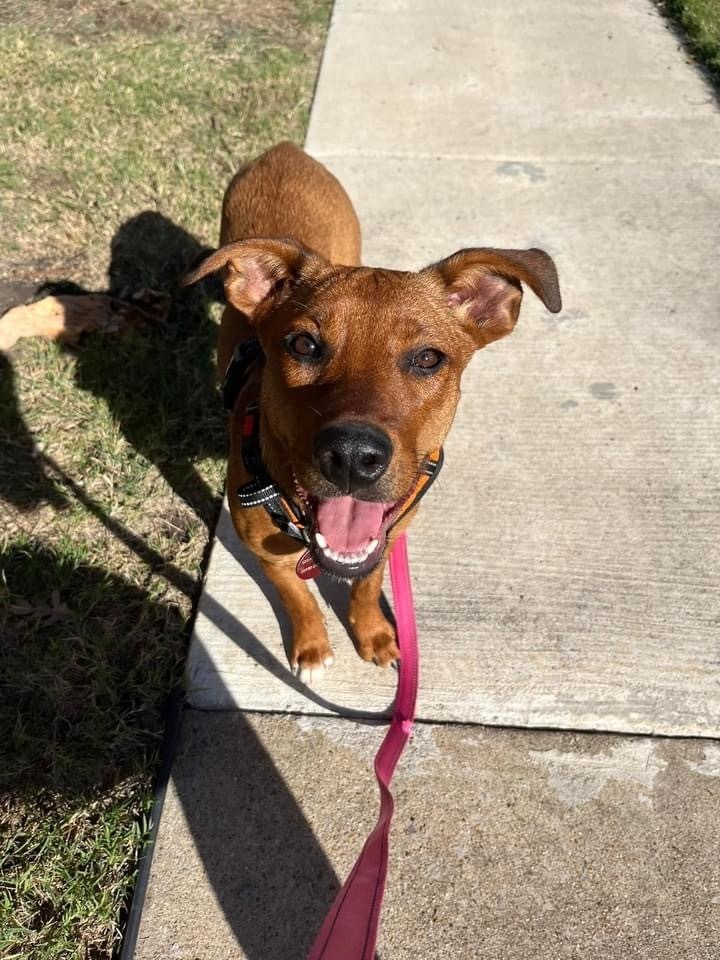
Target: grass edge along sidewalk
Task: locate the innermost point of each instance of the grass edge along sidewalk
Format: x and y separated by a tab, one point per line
698	21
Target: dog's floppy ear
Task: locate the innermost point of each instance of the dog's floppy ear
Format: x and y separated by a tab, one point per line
483	287
257	273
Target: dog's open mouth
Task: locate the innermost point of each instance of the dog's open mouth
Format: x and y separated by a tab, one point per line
348	536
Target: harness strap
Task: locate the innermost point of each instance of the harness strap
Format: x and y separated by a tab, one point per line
238	370
261	491
349	931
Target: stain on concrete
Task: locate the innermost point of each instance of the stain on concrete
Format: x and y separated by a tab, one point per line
364	739
569	404
709	766
517	168
577	778
604	390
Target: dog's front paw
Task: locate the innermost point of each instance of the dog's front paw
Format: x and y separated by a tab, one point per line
377	644
310	659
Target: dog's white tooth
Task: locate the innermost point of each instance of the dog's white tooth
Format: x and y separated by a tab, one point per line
320	540
372	546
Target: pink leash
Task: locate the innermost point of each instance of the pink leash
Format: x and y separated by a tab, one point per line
349	931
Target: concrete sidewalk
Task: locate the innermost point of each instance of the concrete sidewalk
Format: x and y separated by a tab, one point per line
507	844
567	564
569	556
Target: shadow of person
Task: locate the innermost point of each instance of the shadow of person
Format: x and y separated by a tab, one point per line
23	482
268	872
87	660
159	383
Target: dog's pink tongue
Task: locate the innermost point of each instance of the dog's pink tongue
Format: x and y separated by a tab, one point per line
347	524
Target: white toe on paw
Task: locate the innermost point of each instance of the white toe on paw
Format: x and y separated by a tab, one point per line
311	675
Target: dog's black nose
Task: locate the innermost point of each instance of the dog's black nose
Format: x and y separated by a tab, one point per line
352	455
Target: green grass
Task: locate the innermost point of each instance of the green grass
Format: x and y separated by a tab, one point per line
121	127
700	21
144	115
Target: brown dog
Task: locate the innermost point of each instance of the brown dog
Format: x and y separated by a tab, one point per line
356	386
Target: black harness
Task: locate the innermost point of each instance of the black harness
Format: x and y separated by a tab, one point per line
262	491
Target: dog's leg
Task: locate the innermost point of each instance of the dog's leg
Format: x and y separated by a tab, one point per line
374	636
310	652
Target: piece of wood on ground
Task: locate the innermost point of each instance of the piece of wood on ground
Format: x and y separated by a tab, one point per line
65	318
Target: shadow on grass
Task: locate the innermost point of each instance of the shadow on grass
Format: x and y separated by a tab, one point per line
87	660
22	479
160	383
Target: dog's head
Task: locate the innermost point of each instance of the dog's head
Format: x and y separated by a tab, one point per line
362	372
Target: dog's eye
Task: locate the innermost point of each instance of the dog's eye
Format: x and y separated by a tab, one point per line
427	359
303	347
